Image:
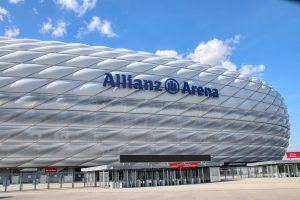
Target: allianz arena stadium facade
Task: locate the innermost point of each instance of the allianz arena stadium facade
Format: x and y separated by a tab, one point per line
78	105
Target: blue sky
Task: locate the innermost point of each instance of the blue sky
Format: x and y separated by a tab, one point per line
259	38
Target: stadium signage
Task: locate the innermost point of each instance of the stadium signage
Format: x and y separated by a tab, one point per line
170	85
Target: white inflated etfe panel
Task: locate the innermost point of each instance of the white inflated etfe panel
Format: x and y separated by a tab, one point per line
231	74
198	67
52	59
83	61
5	52
223	80
261	106
239	83
184	73
145	94
243	93
20	56
246	77
229	91
216	70
269	99
111	64
23	70
26	85
21	46
51	49
147	77
55	111
6	80
248	104
134	57
204	76
80	51
138	67
86	74
180	63
28	101
252	86
56	72
257	96
159	60
6	65
58	86
89	89
162	70
233	102
116	92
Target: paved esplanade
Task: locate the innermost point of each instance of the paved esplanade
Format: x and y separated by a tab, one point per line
260	188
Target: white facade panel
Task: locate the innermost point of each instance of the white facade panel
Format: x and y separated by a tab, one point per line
55	110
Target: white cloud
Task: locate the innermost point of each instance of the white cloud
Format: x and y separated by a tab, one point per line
47	26
105	29
169	53
3	13
15	1
58	30
78	6
253	70
229	65
97	25
12	32
215	52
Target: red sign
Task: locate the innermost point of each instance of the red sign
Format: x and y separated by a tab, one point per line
183	165
50	169
293	154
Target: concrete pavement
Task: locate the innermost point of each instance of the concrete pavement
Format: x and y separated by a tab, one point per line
246	189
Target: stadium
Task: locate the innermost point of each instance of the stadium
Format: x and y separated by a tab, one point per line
74	105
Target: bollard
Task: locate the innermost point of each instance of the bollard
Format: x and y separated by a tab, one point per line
35	180
60	180
6	183
20	182
84	180
48	181
73	179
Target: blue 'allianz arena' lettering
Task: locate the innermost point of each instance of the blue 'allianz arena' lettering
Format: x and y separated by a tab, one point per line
172	86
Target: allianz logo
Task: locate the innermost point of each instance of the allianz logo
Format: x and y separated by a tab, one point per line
170	85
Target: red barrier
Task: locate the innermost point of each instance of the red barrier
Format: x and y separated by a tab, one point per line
183	165
293	154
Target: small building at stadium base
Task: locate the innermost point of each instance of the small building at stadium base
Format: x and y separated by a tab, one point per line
152	174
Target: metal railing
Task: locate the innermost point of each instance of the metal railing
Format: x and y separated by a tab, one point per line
35	181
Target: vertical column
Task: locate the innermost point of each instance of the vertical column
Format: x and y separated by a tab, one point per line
135	178
48	181
272	173
203	179
35	180
163	178
180	174
248	171
21	181
127	177
6	182
198	178
168	178
73	177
